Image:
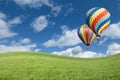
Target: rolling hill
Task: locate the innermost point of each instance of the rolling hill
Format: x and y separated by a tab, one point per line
42	66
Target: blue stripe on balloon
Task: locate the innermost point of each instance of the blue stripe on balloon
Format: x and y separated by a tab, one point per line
101	21
108	19
91	13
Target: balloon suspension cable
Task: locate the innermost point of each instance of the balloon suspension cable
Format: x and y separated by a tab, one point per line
98	37
88	47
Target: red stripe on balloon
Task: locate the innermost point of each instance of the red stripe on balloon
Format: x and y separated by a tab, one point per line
98	18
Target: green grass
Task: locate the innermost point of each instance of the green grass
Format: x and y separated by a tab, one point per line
41	66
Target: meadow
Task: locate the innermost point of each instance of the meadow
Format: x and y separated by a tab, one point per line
43	66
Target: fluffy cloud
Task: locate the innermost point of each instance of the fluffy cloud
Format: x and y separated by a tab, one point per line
39	3
26	41
78	52
5	31
40	23
5	26
90	54
4	48
50	43
16	20
37	50
2	15
69	52
34	3
113	49
113	31
18	46
68	38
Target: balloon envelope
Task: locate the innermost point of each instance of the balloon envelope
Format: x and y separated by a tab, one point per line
86	34
98	19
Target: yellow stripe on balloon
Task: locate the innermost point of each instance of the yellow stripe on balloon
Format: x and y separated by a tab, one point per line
94	16
103	27
92	38
82	30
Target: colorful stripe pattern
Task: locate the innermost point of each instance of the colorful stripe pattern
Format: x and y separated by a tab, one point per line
98	19
86	34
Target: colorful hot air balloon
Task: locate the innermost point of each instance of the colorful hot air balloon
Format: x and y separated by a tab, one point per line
98	19
86	35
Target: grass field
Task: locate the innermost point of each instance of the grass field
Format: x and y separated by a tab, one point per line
40	66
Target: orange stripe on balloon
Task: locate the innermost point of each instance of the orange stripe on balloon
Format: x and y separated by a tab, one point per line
98	18
94	16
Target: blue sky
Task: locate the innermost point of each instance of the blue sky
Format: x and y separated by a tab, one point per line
51	25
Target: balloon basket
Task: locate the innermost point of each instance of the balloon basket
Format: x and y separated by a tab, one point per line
98	37
88	47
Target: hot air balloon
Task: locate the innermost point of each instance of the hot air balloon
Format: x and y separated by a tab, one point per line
98	19
86	35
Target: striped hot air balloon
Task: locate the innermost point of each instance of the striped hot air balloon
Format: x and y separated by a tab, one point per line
98	19
86	35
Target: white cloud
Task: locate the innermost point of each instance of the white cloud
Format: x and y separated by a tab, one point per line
113	49
39	3
4	48
70	51
40	23
37	50
18	46
2	16
26	41
113	31
33	3
78	52
50	43
5	31
5	26
16	20
68	38
90	54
